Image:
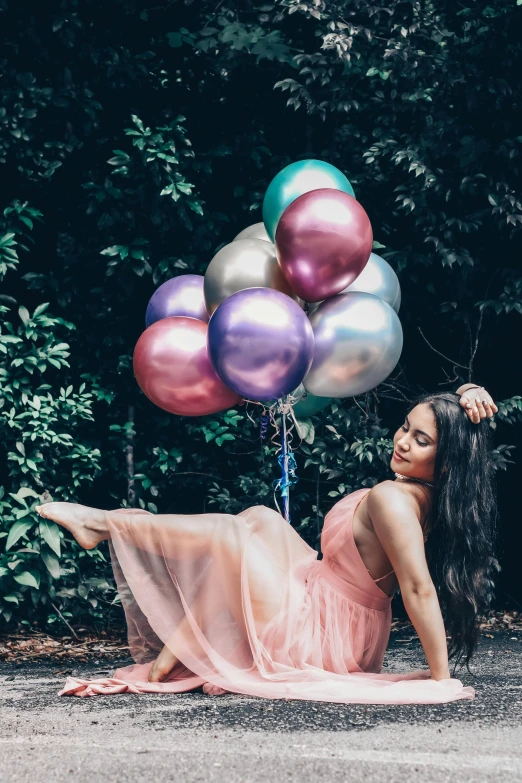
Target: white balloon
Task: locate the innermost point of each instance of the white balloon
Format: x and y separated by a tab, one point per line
257	231
247	263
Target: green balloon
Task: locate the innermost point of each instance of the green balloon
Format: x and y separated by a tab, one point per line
309	405
293	181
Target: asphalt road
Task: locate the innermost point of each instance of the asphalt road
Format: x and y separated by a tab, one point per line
195	738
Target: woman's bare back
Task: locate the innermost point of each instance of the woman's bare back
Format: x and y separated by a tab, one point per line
370	548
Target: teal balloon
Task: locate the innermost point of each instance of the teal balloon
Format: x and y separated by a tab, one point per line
309	404
293	181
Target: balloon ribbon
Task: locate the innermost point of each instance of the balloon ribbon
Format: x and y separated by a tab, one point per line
265	421
288	467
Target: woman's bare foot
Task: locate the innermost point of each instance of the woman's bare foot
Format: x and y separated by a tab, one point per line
162	666
87	525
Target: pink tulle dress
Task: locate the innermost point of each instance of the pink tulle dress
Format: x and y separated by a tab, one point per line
246	607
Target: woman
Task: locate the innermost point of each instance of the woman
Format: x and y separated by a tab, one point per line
241	603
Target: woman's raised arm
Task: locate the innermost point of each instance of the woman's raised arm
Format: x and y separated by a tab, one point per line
395	514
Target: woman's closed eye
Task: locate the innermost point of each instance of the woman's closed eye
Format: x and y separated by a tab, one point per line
420	442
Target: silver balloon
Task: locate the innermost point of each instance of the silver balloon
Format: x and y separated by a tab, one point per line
257	231
377	278
358	342
245	263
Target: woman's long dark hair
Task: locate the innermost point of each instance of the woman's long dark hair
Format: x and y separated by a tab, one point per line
460	544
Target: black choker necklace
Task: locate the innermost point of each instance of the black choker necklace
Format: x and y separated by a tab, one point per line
408	478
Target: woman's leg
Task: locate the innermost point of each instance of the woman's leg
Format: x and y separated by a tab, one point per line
220	535
170	535
162	534
167	658
191	536
87	525
266	588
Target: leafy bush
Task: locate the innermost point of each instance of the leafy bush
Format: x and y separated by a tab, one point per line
45	449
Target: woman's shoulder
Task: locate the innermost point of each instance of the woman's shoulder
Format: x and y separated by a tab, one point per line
399	495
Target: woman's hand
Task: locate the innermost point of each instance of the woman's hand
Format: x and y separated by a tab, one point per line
441	676
477	403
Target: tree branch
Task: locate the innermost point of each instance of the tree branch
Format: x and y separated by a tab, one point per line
129	459
65	621
454	363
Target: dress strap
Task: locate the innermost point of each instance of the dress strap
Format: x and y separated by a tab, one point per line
353	591
382	577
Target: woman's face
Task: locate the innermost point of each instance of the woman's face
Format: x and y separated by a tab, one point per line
415	445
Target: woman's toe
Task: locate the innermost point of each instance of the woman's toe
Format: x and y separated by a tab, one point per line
213	690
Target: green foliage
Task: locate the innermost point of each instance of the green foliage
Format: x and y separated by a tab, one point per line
44	448
136	140
8	254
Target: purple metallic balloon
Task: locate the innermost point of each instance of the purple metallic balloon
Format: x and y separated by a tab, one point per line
260	343
323	241
181	295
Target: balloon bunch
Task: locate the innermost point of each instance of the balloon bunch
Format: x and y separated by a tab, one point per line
242	331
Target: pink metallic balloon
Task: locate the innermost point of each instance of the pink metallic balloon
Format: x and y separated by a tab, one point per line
173	370
323	241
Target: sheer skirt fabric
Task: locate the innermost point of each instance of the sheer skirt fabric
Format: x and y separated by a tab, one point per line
246	607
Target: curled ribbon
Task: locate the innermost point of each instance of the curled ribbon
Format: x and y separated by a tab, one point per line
285	454
263	427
